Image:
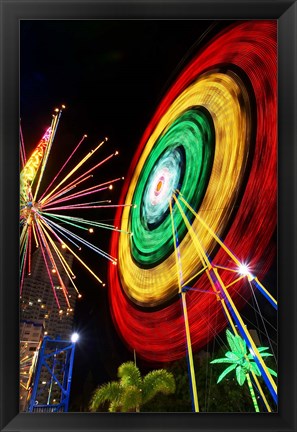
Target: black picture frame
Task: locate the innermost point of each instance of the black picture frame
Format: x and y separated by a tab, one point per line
286	14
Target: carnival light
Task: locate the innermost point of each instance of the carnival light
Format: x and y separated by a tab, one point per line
74	337
212	143
49	220
243	270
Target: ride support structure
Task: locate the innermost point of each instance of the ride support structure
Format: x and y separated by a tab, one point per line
221	291
55	357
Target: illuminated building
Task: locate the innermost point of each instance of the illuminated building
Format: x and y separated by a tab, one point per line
37	304
31	334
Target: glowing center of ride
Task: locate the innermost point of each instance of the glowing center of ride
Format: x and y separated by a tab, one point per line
180	159
159	185
163	180
29	211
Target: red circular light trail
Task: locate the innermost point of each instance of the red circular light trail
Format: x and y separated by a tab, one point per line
158	335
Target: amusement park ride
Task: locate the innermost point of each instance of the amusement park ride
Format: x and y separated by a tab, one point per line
54	354
205	170
41	226
39	221
221	290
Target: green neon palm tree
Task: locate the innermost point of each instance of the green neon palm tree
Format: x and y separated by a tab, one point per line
132	391
242	362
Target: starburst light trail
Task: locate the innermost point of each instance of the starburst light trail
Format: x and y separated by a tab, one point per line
50	216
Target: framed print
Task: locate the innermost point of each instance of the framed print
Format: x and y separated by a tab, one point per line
148	213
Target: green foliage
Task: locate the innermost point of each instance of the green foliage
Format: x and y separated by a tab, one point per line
240	375
131	399
242	362
110	392
132	391
226	397
239	357
180	401
211	397
157	381
226	371
129	375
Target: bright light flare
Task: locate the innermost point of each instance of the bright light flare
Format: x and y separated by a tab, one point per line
244	270
74	337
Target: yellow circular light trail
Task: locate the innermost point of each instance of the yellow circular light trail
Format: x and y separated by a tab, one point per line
227	101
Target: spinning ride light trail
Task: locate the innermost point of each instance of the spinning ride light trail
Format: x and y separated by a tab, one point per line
221	290
40	219
214	138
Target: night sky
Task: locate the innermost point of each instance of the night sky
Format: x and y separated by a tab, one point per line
111	75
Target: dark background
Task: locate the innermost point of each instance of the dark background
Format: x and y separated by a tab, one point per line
111	75
285	13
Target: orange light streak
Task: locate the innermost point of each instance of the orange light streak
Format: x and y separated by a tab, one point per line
74	170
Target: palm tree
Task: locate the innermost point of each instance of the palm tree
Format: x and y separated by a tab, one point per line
242	363
132	391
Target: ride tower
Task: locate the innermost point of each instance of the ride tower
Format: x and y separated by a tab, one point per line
56	357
